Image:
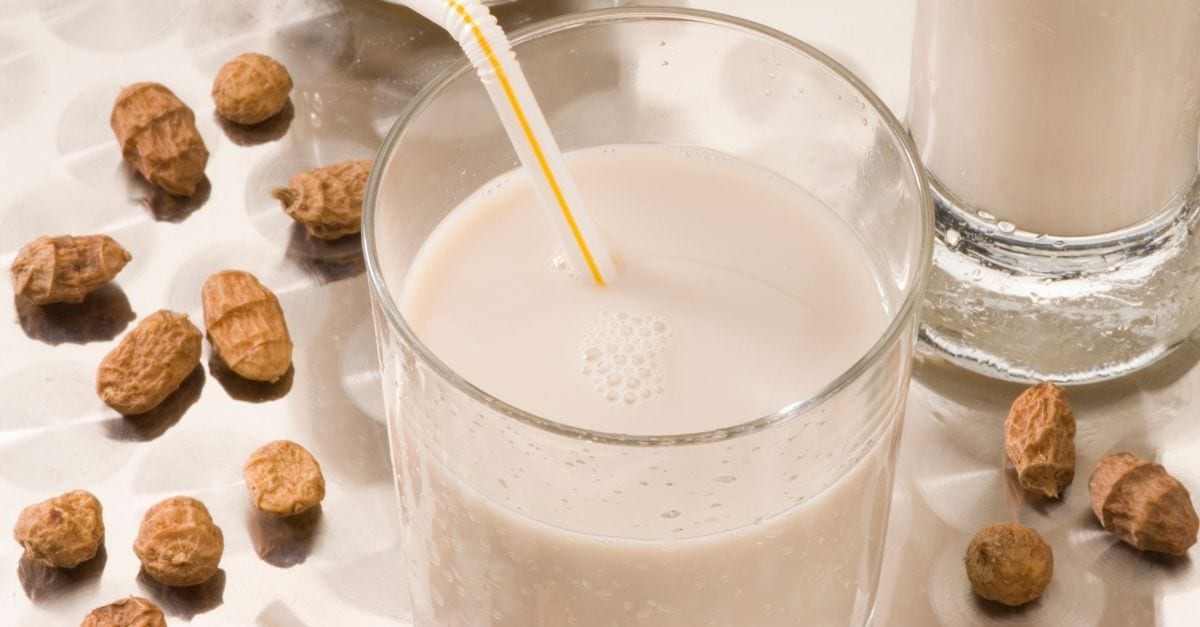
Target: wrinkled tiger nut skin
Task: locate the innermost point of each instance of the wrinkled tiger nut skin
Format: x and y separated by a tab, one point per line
63	531
246	326
158	136
283	478
1039	438
1009	563
327	201
65	269
127	612
1139	502
250	88
178	543
150	363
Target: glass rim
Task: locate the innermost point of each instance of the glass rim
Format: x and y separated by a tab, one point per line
429	94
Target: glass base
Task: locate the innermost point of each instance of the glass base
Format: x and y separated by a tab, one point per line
1028	307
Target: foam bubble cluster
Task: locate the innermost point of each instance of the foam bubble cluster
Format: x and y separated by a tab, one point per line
621	353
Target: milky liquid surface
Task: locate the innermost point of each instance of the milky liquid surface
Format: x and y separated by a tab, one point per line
738	295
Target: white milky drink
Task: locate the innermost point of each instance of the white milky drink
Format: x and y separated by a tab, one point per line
1063	117
738	295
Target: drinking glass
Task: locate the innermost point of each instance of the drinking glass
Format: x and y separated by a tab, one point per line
1061	139
511	518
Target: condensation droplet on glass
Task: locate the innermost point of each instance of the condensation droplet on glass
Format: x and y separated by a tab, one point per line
953	238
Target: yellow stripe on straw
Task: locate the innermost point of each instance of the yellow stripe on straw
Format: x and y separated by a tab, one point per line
529	136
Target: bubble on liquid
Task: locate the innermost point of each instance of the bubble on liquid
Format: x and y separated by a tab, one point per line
559	262
620	353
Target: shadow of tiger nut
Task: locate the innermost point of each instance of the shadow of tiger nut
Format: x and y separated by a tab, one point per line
327	260
154	423
185	602
268	130
102	316
42	582
284	541
164	207
243	389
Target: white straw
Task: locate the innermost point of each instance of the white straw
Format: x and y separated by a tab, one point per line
488	49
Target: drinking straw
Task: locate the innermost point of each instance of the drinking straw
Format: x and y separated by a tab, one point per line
488	49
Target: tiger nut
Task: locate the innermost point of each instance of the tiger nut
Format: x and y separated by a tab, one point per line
1140	503
127	612
246	326
327	201
1039	437
1009	563
178	543
63	531
150	363
157	134
251	88
65	269
283	478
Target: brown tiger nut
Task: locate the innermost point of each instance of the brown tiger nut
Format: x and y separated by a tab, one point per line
178	543
63	531
327	201
246	326
158	136
1140	503
150	363
1009	563
65	269
250	88
127	612
283	478
1039	437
